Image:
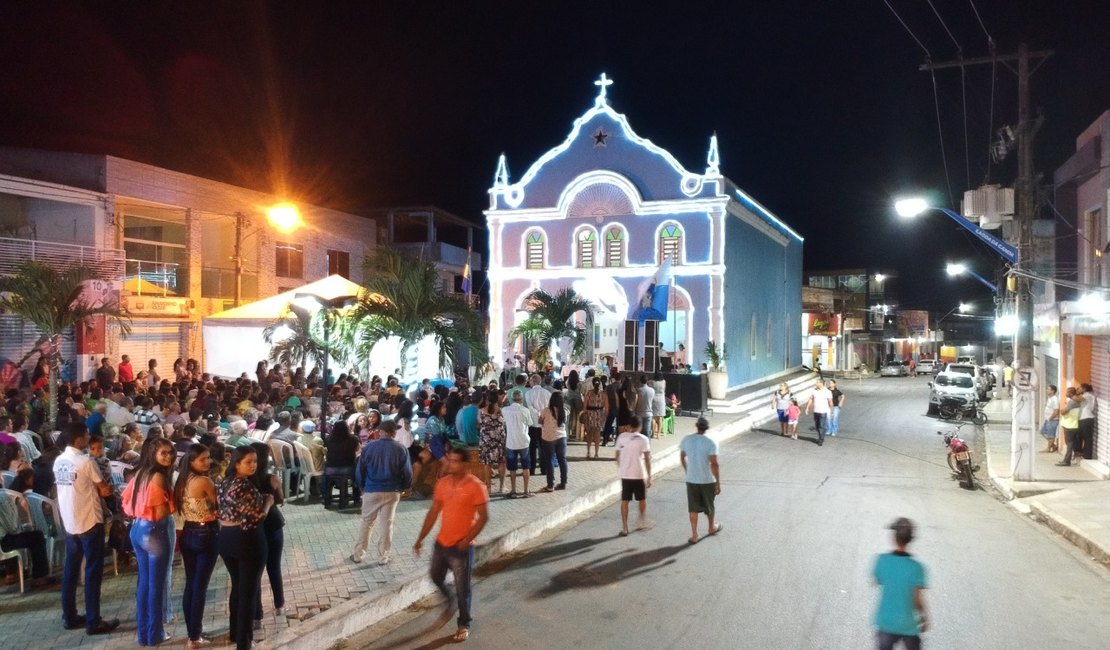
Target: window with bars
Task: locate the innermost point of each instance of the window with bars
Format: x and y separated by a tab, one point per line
670	244
587	249
614	247
534	245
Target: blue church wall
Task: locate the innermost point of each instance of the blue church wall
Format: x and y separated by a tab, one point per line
762	279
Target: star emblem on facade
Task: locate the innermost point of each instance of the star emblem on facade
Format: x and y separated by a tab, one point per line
599	138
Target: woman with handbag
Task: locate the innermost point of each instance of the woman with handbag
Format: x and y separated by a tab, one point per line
194	494
241	509
270	485
147	499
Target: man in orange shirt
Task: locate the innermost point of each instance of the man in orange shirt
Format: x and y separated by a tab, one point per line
462	499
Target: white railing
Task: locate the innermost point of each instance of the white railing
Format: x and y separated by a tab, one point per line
106	262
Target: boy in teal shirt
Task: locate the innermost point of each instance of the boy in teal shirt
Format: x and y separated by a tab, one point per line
901	613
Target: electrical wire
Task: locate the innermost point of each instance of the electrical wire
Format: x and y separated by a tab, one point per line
967	153
990	40
959	49
990	122
940	133
908	30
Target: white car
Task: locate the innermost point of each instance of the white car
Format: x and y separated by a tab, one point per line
951	384
927	367
895	368
982	381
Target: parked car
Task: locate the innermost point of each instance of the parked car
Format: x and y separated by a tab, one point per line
896	368
927	367
980	376
951	384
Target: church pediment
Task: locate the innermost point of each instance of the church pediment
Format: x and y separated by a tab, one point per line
602	140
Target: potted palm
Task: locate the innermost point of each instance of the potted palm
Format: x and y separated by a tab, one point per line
715	357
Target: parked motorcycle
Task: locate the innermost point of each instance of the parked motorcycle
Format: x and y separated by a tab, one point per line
959	458
957	408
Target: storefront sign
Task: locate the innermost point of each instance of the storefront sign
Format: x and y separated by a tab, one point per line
157	306
822	323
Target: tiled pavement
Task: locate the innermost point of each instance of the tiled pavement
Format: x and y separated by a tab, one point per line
327	597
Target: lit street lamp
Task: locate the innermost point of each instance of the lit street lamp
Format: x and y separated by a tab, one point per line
915	206
960	269
283	216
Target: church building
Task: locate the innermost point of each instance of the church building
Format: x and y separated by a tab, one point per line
607	211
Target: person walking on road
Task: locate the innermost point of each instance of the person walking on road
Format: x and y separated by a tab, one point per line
703	477
901	613
1051	425
837	403
462	500
1069	423
383	472
820	404
780	402
633	456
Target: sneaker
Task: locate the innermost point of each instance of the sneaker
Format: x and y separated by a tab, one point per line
462	634
560	487
1063	463
280	611
355	560
103	627
75	623
385	559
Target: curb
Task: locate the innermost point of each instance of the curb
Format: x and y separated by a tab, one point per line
1071	532
357	614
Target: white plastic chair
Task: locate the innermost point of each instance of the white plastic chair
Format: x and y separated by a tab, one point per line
309	471
50	523
9	478
18	557
282	454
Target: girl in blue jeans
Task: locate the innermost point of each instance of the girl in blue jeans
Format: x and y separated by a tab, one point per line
147	499
194	494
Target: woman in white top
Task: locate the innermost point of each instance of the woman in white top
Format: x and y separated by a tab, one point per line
553	422
658	404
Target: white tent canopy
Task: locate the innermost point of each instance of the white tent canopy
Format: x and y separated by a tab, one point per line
233	342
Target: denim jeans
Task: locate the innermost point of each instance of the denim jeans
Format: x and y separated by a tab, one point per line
834	421
338	476
151	542
461	563
275	540
88	545
887	641
199	551
244	555
820	423
558	449
167	607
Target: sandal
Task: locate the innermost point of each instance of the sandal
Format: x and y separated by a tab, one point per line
547	489
462	634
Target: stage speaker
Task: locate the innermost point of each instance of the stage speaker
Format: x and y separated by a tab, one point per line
630	343
651	345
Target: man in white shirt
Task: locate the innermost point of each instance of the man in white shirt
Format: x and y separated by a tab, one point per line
80	493
537	399
820	404
634	467
25	437
518	421
646	394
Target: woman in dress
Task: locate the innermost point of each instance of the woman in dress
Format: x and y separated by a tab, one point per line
596	405
147	499
152	376
780	402
194	494
491	438
572	396
272	527
241	509
658	404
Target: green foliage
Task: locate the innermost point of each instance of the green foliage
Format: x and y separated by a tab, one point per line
716	355
551	318
305	344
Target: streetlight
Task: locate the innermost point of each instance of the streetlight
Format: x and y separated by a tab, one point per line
326	305
284	216
915	206
960	269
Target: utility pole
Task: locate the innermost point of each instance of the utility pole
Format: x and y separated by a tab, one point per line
1023	441
239	218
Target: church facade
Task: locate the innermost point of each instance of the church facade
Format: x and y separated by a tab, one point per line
605	210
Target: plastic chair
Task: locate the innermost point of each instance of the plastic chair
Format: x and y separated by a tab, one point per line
9	478
309	471
50	523
282	454
668	423
22	508
18	557
119	471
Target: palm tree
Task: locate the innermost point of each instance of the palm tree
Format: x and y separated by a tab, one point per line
52	300
304	341
551	319
404	298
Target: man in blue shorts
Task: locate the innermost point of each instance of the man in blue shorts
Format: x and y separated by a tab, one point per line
901	614
517	421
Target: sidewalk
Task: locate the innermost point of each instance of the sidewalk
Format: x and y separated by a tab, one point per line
1073	501
327	597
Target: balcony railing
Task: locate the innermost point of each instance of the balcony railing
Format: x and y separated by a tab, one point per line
107	263
145	278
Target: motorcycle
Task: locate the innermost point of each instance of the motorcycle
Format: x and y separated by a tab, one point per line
959	458
958	408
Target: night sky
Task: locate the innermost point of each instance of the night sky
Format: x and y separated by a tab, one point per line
821	111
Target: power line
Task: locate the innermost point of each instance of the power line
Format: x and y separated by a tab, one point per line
959	49
940	132
908	30
990	41
967	153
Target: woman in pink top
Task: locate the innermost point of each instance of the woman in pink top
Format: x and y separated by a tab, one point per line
147	499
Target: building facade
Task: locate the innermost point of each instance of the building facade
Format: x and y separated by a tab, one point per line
174	247
605	209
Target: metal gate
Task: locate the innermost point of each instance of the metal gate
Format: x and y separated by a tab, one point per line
18	336
152	340
1100	380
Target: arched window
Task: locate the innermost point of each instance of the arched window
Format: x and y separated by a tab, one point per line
614	246
534	253
587	248
670	244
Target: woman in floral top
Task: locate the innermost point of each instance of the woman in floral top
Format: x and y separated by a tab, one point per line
242	508
491	438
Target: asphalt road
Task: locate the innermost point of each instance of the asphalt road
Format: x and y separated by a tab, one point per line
792	567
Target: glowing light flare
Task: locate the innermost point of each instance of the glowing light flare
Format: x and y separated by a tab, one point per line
1006	325
286	217
956	269
1093	303
910	207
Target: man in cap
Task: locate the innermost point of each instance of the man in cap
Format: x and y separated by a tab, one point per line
703	477
901	613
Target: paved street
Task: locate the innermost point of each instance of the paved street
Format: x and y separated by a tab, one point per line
792	567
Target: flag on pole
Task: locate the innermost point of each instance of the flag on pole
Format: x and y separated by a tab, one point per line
466	274
654	294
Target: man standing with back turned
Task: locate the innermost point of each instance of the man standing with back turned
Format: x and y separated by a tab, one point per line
703	477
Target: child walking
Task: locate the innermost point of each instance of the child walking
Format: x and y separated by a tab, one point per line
792	413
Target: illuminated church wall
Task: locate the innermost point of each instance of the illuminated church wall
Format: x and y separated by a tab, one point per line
598	213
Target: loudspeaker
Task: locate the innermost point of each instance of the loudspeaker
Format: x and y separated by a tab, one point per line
630	344
651	345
